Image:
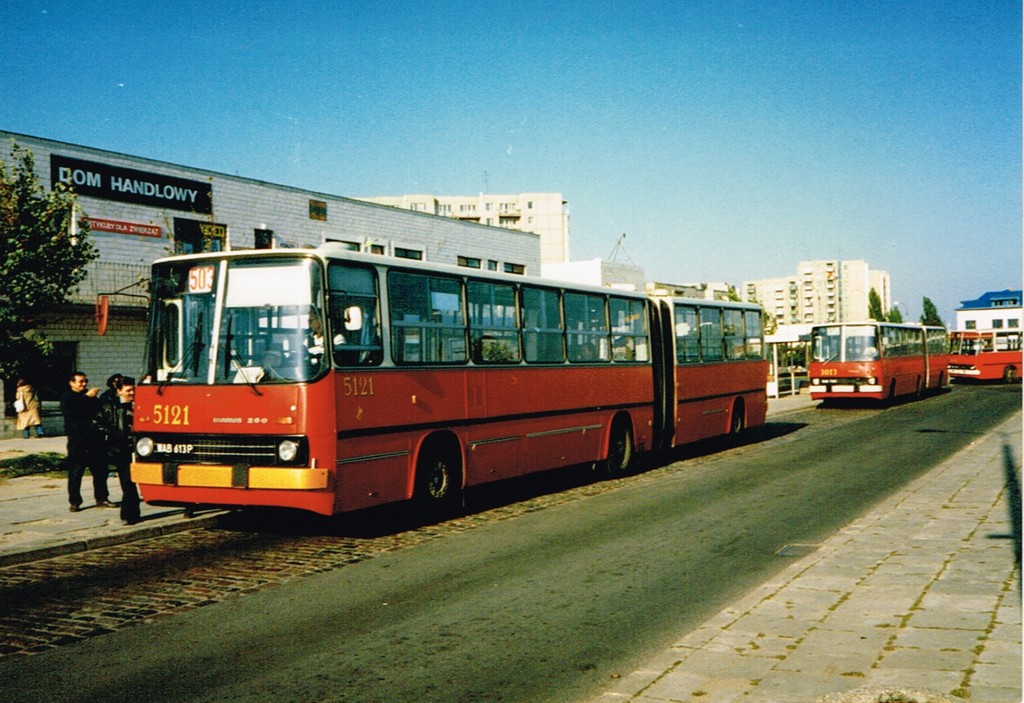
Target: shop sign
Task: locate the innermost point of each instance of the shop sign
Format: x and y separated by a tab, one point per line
127	185
118	227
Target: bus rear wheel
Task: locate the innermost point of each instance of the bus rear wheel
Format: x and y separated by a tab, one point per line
438	490
620	450
738	421
1011	375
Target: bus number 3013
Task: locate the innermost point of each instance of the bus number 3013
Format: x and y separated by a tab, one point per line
358	385
170	414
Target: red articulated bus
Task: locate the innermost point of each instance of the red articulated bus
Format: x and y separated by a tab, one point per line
986	355
877	360
330	381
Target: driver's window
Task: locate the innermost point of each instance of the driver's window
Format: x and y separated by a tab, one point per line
355	337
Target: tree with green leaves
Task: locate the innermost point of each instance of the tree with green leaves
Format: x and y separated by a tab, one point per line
930	316
875	311
894	315
42	259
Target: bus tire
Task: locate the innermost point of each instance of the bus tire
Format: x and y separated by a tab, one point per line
620	449
1011	375
438	487
738	419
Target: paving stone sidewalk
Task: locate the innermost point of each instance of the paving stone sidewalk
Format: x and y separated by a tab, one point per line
917	602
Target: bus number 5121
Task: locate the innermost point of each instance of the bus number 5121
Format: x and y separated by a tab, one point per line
358	385
170	415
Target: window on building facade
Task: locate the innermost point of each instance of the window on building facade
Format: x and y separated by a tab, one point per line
518	269
404	253
469	262
351	246
196	237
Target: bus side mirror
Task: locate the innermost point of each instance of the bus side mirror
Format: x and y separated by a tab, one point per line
353	318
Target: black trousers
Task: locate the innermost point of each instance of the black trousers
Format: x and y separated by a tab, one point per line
129	493
82	458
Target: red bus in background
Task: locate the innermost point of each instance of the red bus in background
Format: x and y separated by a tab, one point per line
330	381
986	355
877	360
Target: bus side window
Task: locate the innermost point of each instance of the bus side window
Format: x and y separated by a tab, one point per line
732	331
493	323
753	334
586	325
427	321
687	335
711	338
629	330
354	316
543	334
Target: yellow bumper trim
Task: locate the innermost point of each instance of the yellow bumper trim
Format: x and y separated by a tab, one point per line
203	476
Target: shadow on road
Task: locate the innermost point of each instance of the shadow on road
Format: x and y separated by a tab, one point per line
401	517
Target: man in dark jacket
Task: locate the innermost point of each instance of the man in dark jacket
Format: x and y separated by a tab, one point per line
115	423
85	444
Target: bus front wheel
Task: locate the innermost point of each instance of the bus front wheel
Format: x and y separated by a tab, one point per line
438	490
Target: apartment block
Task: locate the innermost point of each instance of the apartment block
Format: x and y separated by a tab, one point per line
821	291
546	214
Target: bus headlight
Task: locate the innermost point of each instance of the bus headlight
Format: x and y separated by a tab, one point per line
144	447
287	450
871	380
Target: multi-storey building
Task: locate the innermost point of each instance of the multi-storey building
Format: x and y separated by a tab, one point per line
821	291
546	214
995	310
140	209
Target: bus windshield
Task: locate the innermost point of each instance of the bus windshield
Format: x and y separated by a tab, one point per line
966	345
845	343
249	321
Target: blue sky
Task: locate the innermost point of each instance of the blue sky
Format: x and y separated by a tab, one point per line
727	140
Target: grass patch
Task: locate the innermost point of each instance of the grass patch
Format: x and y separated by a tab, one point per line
42	464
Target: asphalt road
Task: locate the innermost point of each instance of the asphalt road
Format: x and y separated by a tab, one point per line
543	607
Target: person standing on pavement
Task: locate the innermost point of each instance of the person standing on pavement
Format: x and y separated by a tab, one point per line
27	403
85	443
114	421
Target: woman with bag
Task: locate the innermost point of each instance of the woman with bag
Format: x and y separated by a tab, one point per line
26	404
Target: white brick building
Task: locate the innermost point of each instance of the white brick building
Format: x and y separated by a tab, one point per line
140	210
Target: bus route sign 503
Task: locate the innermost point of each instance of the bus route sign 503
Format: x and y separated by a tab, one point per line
200	279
